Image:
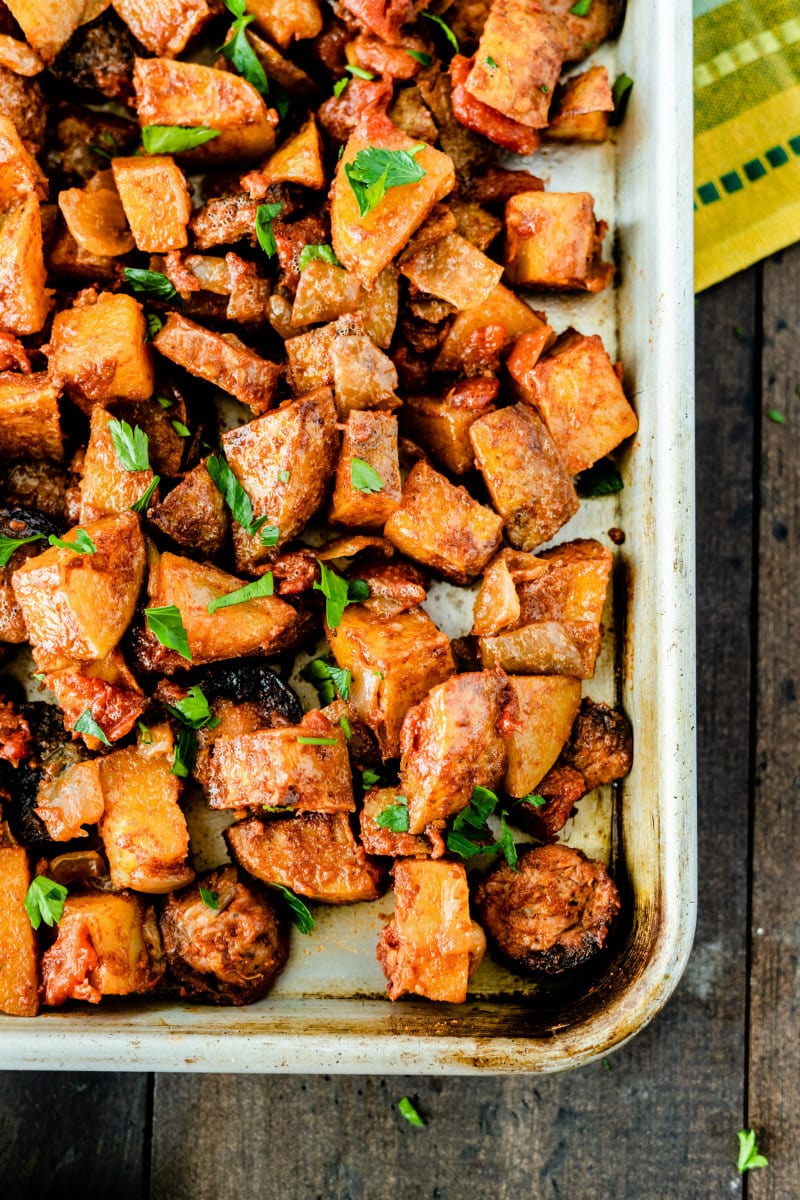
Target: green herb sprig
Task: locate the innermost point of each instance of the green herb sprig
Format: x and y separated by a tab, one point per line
239	51
301	917
175	139
9	545
166	625
44	901
374	171
338	593
251	591
87	724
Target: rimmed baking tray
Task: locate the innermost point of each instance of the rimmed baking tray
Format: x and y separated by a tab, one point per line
327	1013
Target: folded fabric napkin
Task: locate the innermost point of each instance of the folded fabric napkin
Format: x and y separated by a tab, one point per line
746	133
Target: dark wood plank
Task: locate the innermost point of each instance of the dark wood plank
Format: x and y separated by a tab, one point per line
663	1119
66	1134
774	1066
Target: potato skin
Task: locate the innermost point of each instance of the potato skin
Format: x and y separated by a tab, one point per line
229	955
552	914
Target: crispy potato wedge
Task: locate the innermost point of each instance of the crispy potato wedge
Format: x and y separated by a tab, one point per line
502	311
454	270
369	438
481	118
98	348
518	61
221	359
106	487
155	198
24	299
581	108
298	160
106	688
443	429
548	706
286	21
194	515
164	27
70	801
20	174
96	219
18	57
19	978
49	24
554	241
30	423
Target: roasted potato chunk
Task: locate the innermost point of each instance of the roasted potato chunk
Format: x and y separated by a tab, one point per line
518	61
20	174
309	354
156	201
24	299
194	515
305	767
298	160
221	359
363	376
548	706
287	20
443	428
441	526
185	93
30	424
431	946
77	606
503	316
559	626
452	269
106	486
48	27
230	953
98	348
473	114
166	26
452	742
283	461
19	977
107	945
313	854
554	241
394	664
366	245
524	473
378	839
70	801
258	626
96	219
106	688
581	109
578	391
367	498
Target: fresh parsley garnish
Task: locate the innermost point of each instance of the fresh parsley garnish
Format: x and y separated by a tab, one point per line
777	416
164	402
359	72
44	901
140	505
364	477
532	798
86	724
424	59
193	710
181	429
327	679
239	51
309	253
269	535
405	1106
145	733
301	917
620	94
284	476
149	283
209	898
175	139
544	88
395	816
602	479
184	754
154	324
339	87
265	215
581	9
251	591
374	170
446	30
472	820
344	725
317	741
9	545
749	1157
338	593
166	625
234	494
490	62
80	544
369	777
130	445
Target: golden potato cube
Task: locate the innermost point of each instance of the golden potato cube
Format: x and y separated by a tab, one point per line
287	20
70	801
256	626
326	292
475	223
48	24
497	604
156	200
560	609
443	429
548	705
186	93
309	354
106	688
283	461
19	972
394	664
580	111
24	299
452	742
313	854
298	160
30	424
20	174
222	360
99	349
106	487
518	61
453	270
363	376
366	245
78	606
431	946
166	26
371	438
303	766
96	219
441	526
194	514
503	310
144	832
524	474
379	840
578	391
554	241
107	945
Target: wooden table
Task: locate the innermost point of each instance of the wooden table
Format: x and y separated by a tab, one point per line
660	1122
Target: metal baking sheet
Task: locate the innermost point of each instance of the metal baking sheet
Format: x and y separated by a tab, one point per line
328	1012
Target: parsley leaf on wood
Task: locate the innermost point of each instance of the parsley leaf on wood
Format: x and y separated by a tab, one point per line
408	1111
749	1157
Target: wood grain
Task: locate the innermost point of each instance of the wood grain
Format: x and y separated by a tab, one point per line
774	1060
65	1135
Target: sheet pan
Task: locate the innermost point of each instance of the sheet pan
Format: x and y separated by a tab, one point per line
328	1012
